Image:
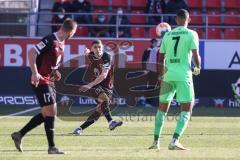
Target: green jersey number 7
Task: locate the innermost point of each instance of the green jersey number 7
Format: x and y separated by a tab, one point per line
176	44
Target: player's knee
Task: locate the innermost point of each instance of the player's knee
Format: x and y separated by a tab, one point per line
49	111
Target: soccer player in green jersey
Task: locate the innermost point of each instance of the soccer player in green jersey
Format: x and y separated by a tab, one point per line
176	52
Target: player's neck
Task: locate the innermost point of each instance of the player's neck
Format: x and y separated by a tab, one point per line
183	25
98	56
60	36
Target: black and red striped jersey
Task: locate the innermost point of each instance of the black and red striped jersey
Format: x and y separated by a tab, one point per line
50	52
95	68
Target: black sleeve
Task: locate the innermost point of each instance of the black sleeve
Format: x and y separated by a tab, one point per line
44	45
106	60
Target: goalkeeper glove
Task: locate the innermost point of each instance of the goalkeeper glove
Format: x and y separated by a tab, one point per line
196	71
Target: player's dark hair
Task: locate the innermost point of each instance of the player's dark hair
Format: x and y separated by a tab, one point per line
97	41
183	14
69	25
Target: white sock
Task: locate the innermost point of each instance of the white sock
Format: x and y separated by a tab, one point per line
174	141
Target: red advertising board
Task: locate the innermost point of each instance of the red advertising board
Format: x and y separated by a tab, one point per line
13	51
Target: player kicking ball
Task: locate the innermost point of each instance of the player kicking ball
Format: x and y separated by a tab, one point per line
44	59
101	86
177	49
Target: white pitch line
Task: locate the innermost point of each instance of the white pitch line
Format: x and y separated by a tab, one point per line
19	113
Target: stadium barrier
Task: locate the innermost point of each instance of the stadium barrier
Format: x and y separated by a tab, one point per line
218	85
29	26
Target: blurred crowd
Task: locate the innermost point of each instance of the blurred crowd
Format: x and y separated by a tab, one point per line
64	8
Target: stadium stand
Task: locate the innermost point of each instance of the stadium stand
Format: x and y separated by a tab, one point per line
230	19
196	18
231	33
195	3
222	14
231	3
137	19
214	17
138	3
137	32
117	3
213	4
102	3
214	33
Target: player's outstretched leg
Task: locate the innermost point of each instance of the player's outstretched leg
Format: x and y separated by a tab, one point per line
91	119
107	113
180	128
17	136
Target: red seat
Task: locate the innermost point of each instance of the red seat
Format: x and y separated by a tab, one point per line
214	33
231	33
82	31
138	3
199	31
194	3
137	32
152	33
195	18
213	3
231	3
137	19
231	19
119	3
214	17
102	3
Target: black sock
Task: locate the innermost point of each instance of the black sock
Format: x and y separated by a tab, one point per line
49	128
106	111
34	122
91	119
108	117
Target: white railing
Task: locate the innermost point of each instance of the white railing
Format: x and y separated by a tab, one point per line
30	19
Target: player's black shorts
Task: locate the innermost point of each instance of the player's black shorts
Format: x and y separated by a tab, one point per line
100	89
95	91
46	94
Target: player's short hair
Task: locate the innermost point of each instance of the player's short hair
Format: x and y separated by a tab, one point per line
183	14
97	41
69	24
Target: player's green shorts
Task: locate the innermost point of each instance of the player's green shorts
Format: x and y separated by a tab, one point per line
184	91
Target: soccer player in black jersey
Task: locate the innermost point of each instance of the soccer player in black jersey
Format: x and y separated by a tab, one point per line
100	71
44	59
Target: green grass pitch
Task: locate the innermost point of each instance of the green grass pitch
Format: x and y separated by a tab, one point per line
207	137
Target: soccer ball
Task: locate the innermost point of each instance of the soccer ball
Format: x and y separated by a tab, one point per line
162	28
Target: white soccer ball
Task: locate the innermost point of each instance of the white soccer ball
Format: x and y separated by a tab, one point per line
162	28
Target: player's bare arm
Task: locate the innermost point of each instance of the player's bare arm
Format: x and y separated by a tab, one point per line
197	62
32	55
98	80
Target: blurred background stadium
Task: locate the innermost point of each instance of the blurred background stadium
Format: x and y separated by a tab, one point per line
127	28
